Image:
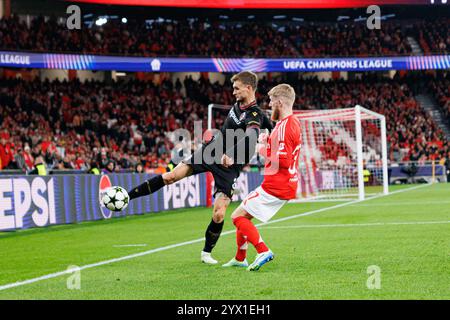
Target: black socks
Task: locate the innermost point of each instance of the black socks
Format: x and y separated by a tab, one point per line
212	235
148	187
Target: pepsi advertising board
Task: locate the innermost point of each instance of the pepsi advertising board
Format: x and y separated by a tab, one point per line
41	201
36	201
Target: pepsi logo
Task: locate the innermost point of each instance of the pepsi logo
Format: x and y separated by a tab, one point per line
104	184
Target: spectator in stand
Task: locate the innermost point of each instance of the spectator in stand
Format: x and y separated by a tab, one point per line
439	86
29	160
40	167
447	166
110	167
262	39
94	168
139	168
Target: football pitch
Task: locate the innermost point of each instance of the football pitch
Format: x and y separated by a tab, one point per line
390	247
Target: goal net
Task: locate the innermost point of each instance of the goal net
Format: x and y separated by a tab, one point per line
343	154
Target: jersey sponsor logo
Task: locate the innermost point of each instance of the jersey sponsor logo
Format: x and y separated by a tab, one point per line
233	116
242	117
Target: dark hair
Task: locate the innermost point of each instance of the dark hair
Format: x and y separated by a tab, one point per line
246	77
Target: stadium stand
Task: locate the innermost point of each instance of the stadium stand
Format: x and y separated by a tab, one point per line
439	86
75	125
434	37
231	39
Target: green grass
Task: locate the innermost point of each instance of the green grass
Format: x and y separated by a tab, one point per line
311	262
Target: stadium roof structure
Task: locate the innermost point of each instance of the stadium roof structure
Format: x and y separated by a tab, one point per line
256	4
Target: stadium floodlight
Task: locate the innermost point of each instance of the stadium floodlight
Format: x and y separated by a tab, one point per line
340	18
388	16
124	20
359	19
101	21
343	154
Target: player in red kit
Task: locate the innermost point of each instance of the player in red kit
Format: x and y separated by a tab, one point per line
281	152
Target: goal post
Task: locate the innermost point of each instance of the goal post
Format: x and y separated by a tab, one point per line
343	154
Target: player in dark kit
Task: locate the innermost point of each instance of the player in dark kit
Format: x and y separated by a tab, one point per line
224	156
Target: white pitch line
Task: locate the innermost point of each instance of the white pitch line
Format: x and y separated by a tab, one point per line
356	224
129	245
144	253
400	203
342	205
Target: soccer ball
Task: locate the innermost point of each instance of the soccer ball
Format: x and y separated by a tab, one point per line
115	198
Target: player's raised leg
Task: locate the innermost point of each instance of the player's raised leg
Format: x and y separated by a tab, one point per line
182	170
215	227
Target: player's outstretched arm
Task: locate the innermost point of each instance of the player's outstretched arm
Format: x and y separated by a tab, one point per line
261	147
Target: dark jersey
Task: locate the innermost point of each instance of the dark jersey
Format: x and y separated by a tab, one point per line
242	118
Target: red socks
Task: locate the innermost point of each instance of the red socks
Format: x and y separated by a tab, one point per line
242	245
246	231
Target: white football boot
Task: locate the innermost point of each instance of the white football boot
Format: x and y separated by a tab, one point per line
260	260
207	258
236	263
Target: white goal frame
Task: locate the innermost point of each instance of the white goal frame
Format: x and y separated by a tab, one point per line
356	114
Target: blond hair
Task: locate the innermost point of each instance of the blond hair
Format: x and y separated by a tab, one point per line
284	92
247	78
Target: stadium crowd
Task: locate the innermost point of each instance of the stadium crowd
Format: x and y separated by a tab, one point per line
440	87
220	39
412	133
123	125
434	37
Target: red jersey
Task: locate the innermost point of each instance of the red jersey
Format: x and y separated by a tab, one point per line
281	167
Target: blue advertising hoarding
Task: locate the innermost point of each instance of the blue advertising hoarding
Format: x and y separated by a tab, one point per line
134	64
41	201
36	201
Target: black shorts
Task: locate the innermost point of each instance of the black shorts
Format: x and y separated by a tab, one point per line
224	178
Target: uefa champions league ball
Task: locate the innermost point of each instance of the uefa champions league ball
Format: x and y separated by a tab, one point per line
115	198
